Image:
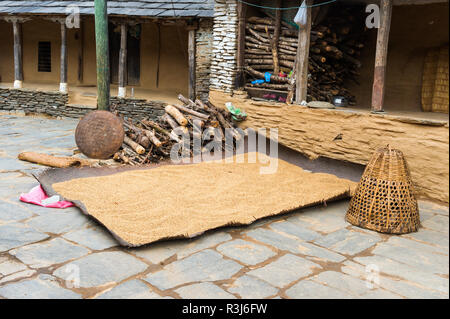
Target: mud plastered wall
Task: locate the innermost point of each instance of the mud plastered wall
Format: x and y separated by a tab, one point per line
353	137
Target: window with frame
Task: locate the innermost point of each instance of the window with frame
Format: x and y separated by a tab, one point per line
44	56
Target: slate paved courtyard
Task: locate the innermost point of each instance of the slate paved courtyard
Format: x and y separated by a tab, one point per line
311	253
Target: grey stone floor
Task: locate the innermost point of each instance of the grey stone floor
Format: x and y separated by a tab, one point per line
311	253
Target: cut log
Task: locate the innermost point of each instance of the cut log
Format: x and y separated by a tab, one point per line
52	161
261	75
192	112
176	114
135	146
151	135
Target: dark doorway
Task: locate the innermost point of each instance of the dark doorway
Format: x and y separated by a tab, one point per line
133	53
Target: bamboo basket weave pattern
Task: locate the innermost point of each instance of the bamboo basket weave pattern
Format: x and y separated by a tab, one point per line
384	200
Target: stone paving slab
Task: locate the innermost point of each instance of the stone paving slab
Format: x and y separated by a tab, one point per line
16	235
133	289
425	260
9	266
308	289
437	223
60	221
95	238
250	287
44	286
348	242
18	275
430	237
393	268
246	252
48	253
102	268
285	270
206	265
295	229
349	285
204	290
13	212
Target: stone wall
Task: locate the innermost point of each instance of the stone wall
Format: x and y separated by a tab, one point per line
203	40
223	65
55	104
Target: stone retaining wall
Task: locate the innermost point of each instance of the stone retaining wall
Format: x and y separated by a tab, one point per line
223	64
55	104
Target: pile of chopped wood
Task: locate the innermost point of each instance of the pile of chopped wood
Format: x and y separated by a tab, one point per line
335	44
148	141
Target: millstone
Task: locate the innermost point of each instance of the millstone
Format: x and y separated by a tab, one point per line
99	134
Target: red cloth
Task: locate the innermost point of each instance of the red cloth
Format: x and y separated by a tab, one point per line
36	195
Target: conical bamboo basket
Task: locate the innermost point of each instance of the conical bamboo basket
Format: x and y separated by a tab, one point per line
384	200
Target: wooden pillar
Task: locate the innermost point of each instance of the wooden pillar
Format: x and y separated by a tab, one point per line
302	58
379	76
18	68
191	53
63	69
102	54
240	75
276	36
80	51
123	61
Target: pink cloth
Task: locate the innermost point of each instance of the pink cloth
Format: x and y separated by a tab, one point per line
36	195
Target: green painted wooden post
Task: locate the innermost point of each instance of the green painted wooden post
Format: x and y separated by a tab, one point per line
102	50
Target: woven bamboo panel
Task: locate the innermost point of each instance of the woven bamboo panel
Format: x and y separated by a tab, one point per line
384	199
440	94
429	79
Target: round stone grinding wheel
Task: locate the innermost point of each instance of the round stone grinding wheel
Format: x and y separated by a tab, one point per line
99	134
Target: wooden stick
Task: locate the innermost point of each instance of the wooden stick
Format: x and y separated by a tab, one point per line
186	101
159	129
192	112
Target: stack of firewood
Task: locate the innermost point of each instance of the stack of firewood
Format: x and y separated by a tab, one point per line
335	45
148	141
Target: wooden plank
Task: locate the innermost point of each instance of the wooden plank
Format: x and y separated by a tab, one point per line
18	68
240	54
63	68
191	61
302	58
123	60
379	77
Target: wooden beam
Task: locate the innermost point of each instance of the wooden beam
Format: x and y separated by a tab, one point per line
240	74
379	77
302	58
123	61
191	53
18	67
63	68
